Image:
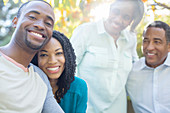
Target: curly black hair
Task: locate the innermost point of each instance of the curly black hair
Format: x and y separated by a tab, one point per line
67	77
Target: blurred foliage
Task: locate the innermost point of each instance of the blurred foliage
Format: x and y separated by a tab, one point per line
71	13
154	11
7	13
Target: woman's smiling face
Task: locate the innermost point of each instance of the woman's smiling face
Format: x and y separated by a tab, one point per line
51	59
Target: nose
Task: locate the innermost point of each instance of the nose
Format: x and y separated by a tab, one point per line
52	59
39	25
150	46
119	19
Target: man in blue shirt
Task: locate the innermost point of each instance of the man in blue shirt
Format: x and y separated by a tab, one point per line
149	81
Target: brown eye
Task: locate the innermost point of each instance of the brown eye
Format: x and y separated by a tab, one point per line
145	41
43	55
157	42
48	24
59	53
32	17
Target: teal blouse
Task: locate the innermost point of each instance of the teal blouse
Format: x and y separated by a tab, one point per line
75	100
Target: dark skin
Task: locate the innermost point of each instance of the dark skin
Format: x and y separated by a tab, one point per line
120	16
33	29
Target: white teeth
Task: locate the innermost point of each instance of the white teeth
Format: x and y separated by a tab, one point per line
151	54
37	34
53	69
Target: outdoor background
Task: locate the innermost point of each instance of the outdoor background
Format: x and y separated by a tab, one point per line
71	13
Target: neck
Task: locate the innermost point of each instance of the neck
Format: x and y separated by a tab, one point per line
53	83
113	33
115	36
18	54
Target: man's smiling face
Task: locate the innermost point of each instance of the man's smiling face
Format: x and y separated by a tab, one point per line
155	46
35	25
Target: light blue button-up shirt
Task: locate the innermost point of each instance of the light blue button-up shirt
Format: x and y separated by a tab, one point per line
149	88
103	66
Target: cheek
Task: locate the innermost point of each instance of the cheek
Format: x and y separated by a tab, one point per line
144	48
41	63
168	47
63	60
126	23
50	32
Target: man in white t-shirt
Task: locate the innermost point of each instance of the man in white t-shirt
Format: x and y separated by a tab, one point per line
22	90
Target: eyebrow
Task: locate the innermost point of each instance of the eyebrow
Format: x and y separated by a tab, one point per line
33	11
47	51
36	12
49	17
43	51
57	49
157	39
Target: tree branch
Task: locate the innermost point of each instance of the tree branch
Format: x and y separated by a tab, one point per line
162	5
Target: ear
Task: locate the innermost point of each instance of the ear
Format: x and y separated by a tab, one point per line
169	47
14	22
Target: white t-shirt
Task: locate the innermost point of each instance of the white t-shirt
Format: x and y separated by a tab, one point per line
21	90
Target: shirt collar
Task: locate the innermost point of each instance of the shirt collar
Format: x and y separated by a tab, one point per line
125	35
101	29
143	64
167	61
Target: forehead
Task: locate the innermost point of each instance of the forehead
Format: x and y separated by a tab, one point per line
53	43
41	7
155	32
125	7
123	4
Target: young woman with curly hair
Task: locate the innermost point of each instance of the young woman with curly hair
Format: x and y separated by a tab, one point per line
57	60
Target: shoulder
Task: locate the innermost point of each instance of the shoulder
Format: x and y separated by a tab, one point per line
40	73
129	33
37	69
131	36
78	85
86	27
139	63
137	68
79	81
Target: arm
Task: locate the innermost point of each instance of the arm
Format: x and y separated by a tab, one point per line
78	42
50	105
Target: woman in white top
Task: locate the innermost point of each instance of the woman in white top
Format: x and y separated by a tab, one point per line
105	51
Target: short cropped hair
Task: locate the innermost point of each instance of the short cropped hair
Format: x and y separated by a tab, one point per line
24	4
163	25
